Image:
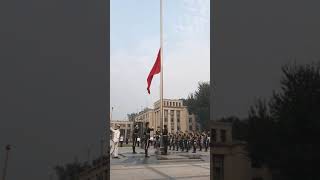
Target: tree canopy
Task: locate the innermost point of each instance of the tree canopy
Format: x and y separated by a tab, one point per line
198	103
283	132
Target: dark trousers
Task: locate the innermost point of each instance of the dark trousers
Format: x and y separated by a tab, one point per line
206	145
134	142
177	145
165	144
187	145
121	142
182	145
146	146
194	146
200	145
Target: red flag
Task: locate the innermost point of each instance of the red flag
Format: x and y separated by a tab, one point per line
155	70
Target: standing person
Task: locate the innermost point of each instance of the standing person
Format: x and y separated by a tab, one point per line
187	141
183	138
165	139
200	141
156	144
116	137
169	141
181	141
209	139
154	141
177	140
173	141
127	140
194	142
134	138
138	141
147	139
205	141
151	140
121	141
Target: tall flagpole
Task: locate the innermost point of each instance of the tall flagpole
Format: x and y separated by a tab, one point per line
161	78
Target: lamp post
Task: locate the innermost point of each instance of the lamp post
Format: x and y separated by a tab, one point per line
8	147
111	114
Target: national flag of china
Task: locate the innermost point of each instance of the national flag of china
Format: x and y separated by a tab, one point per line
155	70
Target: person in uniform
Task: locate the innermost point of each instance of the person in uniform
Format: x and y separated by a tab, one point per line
194	142
134	138
205	141
116	137
165	139
147	138
157	141
187	141
183	139
199	141
170	141
177	140
173	141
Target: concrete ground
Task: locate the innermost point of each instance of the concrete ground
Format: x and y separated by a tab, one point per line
175	165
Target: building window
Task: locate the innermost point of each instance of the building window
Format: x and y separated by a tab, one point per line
165	115
218	166
172	115
190	128
129	125
223	135
190	120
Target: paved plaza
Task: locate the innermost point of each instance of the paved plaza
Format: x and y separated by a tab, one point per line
175	165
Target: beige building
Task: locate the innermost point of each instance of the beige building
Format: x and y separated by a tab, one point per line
126	128
229	159
176	116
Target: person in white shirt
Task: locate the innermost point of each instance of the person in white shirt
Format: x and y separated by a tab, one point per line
138	141
116	137
121	141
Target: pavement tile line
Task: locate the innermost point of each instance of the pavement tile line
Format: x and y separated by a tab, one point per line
160	173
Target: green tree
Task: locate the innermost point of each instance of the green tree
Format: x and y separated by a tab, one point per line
284	134
296	111
131	116
260	134
199	104
69	171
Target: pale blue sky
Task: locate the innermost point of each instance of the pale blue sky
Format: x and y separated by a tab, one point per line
135	40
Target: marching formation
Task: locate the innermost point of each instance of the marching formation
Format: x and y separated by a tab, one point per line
179	141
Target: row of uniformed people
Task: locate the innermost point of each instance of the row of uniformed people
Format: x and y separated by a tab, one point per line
187	140
182	140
